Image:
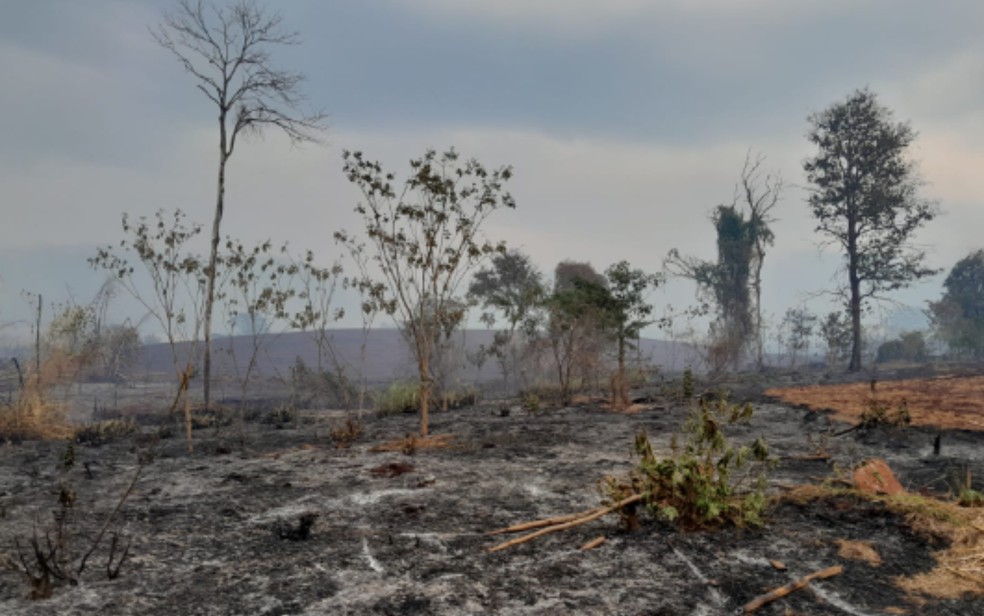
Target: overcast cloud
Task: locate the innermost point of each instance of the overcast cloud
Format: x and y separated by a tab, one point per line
627	121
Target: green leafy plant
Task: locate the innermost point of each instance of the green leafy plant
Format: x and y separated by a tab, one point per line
705	482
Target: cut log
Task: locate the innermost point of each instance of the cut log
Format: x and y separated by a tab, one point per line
792	587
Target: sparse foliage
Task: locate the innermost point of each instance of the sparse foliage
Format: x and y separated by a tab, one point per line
799	325
865	201
511	287
628	313
576	324
426	239
835	331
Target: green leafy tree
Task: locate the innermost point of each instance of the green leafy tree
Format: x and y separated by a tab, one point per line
576	325
959	315
628	313
865	201
227	50
510	287
426	236
726	283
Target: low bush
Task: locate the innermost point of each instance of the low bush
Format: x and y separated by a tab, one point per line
707	481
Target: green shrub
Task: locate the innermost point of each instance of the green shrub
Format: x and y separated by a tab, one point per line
706	482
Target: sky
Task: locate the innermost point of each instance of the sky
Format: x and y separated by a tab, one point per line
626	123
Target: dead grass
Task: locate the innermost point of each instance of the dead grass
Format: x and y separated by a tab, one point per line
950	402
414	443
858	550
959	569
34	416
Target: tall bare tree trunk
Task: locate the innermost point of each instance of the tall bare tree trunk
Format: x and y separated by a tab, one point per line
423	365
214	259
855	305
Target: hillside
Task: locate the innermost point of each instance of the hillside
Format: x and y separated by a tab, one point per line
387	356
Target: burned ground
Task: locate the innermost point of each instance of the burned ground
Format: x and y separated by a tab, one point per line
291	525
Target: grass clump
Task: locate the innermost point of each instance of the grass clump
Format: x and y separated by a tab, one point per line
705	482
33	416
98	433
959	570
399	397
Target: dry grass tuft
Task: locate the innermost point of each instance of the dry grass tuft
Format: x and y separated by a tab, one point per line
858	550
959	569
414	443
33	416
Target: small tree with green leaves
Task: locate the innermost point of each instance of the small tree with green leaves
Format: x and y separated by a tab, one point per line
177	284
576	324
628	313
259	287
426	236
511	287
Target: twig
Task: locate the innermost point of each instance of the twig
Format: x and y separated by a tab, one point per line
109	520
564	526
594	543
782	591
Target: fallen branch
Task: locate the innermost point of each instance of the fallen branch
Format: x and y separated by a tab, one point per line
594	543
515	528
792	587
594	515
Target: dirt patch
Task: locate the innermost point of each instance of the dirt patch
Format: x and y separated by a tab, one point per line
292	525
950	402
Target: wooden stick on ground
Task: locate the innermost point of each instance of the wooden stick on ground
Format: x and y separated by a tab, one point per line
565	525
596	542
515	528
782	591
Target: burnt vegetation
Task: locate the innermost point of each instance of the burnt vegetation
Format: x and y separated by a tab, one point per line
729	475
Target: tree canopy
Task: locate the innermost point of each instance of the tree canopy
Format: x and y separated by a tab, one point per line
865	200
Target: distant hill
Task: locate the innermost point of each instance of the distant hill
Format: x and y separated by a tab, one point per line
387	355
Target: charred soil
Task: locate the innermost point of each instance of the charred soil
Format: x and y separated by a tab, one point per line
290	524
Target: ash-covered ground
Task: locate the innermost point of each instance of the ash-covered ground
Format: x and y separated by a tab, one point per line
289	524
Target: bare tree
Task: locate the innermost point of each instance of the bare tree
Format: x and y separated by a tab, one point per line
760	192
227	51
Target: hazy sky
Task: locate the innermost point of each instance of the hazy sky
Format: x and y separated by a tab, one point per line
626	121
